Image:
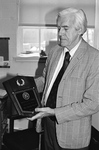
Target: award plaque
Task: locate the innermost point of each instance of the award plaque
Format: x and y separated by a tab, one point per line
23	92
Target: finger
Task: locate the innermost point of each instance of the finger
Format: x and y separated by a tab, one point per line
38	109
46	110
43	109
39	115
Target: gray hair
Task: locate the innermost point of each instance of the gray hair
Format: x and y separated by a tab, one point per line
80	18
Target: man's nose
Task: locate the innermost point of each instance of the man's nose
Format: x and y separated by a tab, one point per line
61	31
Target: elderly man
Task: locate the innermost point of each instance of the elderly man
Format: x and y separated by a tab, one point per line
71	93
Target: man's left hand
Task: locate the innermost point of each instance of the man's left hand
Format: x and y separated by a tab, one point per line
42	112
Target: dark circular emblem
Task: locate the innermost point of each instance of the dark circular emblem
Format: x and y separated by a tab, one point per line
25	95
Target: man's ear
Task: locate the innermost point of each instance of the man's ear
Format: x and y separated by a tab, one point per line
80	31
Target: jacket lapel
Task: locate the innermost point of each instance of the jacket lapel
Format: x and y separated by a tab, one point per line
51	69
75	60
53	65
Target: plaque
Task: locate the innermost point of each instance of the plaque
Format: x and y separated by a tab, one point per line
23	92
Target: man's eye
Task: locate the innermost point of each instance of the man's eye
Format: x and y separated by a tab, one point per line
65	29
62	28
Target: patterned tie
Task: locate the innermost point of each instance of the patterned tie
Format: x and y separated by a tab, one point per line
51	101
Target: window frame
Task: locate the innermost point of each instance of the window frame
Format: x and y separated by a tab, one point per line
20	39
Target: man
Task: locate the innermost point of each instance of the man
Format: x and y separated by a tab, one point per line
68	117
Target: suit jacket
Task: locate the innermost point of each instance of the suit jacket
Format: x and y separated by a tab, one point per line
77	96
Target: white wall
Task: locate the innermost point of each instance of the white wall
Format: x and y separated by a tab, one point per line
96	116
8	28
45	11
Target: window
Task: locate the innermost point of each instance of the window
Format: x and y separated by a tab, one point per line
89	36
38	40
35	41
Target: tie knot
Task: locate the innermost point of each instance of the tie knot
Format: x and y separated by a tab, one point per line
67	56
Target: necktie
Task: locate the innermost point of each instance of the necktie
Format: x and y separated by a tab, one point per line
51	101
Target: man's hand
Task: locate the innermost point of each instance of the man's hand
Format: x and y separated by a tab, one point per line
42	112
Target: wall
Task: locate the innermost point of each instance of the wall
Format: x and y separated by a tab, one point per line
96	116
46	11
8	28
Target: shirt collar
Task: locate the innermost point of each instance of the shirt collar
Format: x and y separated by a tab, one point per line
73	50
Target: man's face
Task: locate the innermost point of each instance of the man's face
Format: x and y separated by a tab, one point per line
67	34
